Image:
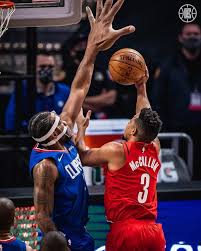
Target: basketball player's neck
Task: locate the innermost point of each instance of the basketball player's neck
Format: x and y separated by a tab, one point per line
137	139
4	235
57	146
133	139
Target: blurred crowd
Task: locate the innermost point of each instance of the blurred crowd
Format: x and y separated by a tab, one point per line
11	241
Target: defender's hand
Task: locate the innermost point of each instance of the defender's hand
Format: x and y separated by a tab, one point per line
82	126
102	36
83	122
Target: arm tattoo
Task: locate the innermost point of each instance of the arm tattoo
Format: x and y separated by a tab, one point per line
45	223
44	178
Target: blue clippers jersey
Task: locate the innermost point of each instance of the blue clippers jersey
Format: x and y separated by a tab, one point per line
12	244
71	196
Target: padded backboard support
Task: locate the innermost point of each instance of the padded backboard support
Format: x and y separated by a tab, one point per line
46	13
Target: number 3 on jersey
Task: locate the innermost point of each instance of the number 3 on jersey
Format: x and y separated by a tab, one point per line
145	181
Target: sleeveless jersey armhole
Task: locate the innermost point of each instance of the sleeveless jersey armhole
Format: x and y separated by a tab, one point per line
126	150
155	149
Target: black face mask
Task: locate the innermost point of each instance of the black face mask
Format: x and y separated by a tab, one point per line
45	75
191	44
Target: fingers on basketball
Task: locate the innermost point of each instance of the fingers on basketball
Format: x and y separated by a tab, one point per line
127	66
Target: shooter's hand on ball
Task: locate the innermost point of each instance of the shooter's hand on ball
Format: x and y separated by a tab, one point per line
142	99
102	36
143	80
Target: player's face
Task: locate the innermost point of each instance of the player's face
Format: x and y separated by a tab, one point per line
60	129
66	136
131	127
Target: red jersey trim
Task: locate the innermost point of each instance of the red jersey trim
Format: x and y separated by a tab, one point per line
126	149
13	238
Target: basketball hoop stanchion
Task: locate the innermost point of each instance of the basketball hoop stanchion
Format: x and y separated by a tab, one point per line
7	8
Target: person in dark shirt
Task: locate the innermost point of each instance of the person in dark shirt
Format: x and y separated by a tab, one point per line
50	95
177	90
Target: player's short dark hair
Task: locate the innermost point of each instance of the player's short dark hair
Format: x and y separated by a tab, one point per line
7	214
149	125
54	241
40	124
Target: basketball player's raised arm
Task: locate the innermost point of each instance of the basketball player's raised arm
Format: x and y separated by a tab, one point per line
45	175
142	98
143	101
111	153
102	36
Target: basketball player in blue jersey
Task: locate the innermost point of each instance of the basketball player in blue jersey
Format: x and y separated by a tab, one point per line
60	191
8	242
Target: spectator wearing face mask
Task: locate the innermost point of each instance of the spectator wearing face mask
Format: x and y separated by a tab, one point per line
177	90
49	95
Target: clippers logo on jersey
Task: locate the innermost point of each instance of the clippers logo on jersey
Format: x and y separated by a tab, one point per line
74	168
144	161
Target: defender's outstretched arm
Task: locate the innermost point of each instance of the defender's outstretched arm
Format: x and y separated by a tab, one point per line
102	36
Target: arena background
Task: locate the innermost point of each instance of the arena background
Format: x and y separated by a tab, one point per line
157	25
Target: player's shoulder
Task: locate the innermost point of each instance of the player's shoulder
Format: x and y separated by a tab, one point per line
115	146
156	144
48	162
45	167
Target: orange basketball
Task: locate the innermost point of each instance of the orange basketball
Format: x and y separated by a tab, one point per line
126	66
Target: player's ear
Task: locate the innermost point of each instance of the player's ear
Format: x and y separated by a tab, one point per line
134	131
